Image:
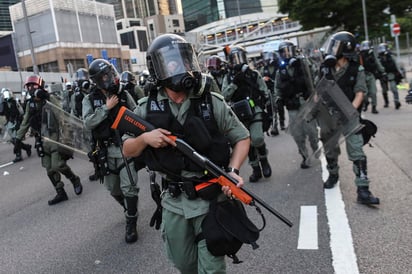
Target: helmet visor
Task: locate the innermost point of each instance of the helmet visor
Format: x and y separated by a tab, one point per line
268	56
238	57
173	60
107	78
364	46
335	47
287	52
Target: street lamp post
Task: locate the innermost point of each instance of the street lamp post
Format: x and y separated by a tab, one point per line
33	57
365	22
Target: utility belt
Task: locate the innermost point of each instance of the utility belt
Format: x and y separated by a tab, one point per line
207	190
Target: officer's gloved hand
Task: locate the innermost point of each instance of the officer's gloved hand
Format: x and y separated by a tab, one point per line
156	219
41	94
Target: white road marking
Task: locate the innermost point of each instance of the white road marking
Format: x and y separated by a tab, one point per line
6	164
308	228
341	244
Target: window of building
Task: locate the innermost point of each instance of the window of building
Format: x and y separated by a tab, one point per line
76	63
175	23
128	38
119	26
134	23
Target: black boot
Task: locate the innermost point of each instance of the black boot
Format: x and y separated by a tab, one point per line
60	197
365	105
131	219
303	164
397	105
366	197
27	148
256	175
374	111
331	181
131	231
18	157
77	185
274	131
17	150
385	98
266	169
94	177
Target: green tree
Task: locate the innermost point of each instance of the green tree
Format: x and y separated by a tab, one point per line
348	14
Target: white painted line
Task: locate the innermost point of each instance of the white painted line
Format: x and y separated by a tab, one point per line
341	244
308	228
6	164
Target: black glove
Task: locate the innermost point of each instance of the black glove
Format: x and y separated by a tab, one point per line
156	219
155	191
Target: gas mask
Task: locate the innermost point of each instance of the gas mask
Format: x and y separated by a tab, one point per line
186	82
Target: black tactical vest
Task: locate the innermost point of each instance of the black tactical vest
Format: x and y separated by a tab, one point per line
369	61
292	87
103	131
199	130
348	80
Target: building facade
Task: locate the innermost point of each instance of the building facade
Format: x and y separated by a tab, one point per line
201	12
63	33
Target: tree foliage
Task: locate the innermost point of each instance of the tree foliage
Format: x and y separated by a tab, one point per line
348	14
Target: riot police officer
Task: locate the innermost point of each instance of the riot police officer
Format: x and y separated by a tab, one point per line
246	91
350	77
13	111
373	69
67	97
393	75
53	159
100	107
185	103
128	82
268	69
82	88
216	67
291	87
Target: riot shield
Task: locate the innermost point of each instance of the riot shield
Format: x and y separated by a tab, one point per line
65	130
334	113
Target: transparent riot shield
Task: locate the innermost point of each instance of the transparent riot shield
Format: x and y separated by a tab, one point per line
334	113
65	130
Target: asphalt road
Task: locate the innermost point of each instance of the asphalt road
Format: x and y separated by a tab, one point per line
86	233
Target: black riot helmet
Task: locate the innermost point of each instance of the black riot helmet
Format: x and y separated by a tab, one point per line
287	50
214	62
82	78
341	44
383	49
104	75
237	56
365	45
144	75
172	62
127	79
